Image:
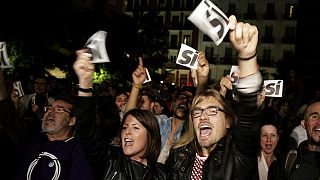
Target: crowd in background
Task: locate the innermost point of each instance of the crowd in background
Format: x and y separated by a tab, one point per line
116	107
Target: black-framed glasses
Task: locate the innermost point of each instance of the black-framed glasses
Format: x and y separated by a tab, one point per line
210	111
56	109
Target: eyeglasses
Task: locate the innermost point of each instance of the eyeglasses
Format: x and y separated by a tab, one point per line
210	111
56	109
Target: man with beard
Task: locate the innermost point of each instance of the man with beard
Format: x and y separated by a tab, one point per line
219	143
53	153
303	163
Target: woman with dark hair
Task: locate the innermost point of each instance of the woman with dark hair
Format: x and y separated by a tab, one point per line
148	138
269	137
136	158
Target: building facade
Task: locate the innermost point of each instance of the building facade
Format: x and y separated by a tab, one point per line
275	19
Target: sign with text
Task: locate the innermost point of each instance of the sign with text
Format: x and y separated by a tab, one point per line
188	57
273	88
97	47
210	20
18	88
234	74
4	60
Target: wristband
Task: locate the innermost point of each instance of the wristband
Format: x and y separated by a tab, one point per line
248	58
138	86
89	90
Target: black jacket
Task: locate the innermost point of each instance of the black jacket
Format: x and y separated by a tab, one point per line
107	161
297	164
234	157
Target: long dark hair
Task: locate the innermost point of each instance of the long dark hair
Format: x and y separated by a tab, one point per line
149	121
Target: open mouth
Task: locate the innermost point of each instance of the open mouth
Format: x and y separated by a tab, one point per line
317	128
205	130
268	146
183	108
128	142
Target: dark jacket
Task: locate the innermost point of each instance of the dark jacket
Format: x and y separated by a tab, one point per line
107	161
35	156
234	157
297	164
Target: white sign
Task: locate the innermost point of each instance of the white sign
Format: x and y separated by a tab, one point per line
210	20
97	47
188	57
234	73
148	79
4	60
18	88
273	88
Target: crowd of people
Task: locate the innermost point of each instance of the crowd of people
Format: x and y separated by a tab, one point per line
229	130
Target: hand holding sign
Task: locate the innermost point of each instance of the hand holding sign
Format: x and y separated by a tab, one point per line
139	76
18	88
4	60
97	47
234	74
210	20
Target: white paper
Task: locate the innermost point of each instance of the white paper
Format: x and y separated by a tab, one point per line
234	73
188	57
18	88
4	60
148	79
97	45
274	88
210	20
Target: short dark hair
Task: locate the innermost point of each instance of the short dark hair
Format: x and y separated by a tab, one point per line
70	99
308	106
190	89
118	92
149	121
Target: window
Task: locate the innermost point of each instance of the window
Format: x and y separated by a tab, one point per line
175	22
267	54
290	11
268	31
290	32
228	53
206	38
187	40
251	8
209	53
174	41
176	4
270	14
189	5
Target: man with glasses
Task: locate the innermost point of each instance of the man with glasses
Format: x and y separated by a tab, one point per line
219	143
33	104
53	153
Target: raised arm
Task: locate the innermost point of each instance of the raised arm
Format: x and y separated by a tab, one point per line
84	68
138	77
202	72
244	38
